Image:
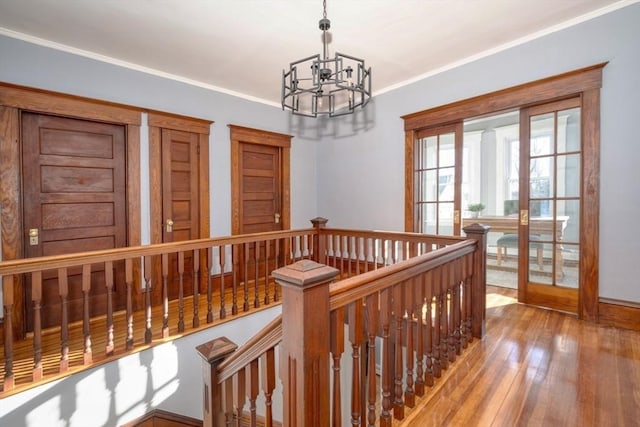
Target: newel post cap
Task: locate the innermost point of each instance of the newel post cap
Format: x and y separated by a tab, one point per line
304	274
319	221
216	349
476	228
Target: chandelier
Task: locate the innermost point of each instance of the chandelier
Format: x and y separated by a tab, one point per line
326	86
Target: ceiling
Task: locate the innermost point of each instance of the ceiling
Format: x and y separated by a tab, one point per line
242	46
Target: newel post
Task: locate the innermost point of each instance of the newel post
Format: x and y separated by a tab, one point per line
304	357
213	353
479	284
319	240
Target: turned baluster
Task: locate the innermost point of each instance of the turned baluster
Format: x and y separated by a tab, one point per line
256	276
253	384
466	302
428	328
108	273
180	291
268	365
235	262
86	328
367	253
437	318
7	300
385	321
349	255
454	325
128	278
63	285
373	312
355	337
418	304
164	261
196	288
398	312
409	392
227	401
444	313
337	348
449	343
239	397
276	297
245	277
222	265
36	296
210	285
342	246
267	255
147	300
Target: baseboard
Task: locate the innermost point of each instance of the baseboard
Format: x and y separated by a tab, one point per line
160	418
621	314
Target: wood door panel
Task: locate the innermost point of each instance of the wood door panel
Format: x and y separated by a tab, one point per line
180	200
67	179
76	215
75	196
260	188
74	143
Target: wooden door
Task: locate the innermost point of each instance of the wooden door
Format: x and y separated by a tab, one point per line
551	205
180	203
260	197
260	188
74	200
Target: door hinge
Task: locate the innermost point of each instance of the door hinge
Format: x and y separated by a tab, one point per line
198	149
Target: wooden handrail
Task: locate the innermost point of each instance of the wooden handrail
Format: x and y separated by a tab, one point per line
268	337
28	265
349	290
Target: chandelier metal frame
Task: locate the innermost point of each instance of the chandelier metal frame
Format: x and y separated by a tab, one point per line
331	86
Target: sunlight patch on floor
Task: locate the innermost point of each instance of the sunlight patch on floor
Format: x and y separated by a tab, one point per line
497	300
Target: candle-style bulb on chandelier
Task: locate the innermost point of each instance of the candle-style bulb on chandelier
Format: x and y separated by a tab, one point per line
326	86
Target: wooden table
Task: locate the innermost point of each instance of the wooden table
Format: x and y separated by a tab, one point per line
537	225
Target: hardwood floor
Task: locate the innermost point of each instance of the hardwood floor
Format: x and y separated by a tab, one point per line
537	367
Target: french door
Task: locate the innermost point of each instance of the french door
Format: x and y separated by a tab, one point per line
550	204
437	175
523	168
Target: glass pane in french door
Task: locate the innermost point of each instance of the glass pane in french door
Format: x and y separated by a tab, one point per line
490	190
435	182
554	197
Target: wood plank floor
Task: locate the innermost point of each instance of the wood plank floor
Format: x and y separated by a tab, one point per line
537	367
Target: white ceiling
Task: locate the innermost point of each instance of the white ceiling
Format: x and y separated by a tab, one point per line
242	46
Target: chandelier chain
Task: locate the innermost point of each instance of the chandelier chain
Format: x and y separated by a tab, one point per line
324	9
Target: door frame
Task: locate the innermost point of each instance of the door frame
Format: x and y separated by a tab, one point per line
585	83
239	135
13	100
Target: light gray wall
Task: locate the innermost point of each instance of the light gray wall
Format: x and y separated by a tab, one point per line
361	180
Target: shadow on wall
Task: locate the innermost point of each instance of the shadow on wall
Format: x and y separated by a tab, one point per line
316	129
109	395
167	376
